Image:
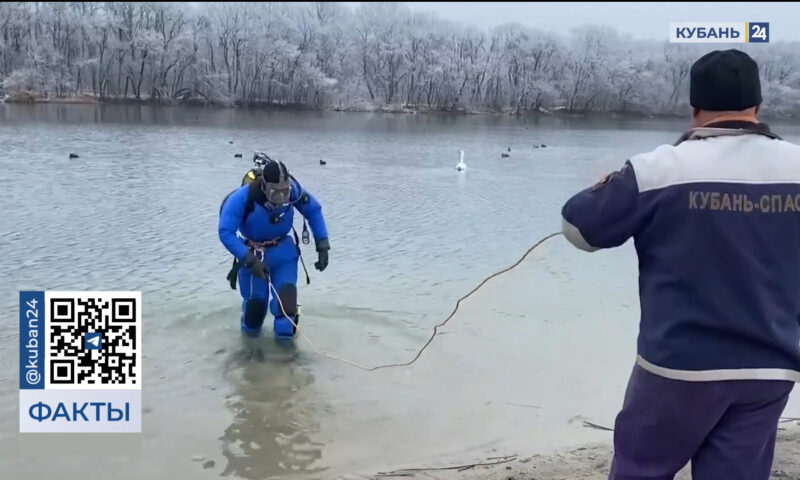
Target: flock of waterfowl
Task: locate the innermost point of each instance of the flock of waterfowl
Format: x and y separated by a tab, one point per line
461	166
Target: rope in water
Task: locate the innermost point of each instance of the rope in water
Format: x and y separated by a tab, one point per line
435	328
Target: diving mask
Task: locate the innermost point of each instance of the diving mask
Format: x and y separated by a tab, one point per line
277	194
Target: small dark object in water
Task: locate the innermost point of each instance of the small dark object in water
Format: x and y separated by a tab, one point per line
238	155
543	145
407	472
504	155
509	149
230	142
73	155
323	162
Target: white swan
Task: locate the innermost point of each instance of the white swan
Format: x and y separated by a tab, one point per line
461	165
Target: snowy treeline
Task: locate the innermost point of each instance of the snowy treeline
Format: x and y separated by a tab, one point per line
324	55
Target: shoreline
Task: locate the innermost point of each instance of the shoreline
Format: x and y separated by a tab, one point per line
387	109
391	109
587	462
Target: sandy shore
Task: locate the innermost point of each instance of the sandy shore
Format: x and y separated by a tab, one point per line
591	462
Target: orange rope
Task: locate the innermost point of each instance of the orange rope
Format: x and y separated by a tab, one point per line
435	328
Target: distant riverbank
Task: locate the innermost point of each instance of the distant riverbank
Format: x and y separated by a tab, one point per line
363	106
367	107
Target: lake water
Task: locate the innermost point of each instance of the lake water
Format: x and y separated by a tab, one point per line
524	360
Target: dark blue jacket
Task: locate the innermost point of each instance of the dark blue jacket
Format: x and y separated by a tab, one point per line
715	220
259	226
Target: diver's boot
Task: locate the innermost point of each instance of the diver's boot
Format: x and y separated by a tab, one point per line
283	328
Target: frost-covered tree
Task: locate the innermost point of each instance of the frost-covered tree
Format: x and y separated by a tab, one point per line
328	55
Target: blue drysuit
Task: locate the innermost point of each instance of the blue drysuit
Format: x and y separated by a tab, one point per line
280	261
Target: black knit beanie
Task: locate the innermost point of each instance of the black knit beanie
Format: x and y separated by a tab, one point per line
724	80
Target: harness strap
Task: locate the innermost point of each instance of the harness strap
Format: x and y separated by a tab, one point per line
265	244
256	247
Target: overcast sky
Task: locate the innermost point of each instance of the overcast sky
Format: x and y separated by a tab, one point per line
640	20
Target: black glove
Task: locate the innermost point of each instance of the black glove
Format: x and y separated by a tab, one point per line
322	254
255	266
233	274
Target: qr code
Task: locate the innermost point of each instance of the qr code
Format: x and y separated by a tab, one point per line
93	340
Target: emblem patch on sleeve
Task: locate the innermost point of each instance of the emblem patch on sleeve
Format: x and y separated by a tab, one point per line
607	179
604	181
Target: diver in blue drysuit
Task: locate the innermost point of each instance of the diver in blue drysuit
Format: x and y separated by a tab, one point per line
267	250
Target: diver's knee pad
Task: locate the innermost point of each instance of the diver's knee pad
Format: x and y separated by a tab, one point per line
253	318
287	307
288	296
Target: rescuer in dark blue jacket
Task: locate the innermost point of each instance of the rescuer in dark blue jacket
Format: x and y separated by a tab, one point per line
715	220
254	225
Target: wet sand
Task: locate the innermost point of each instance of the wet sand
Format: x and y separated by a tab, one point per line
590	462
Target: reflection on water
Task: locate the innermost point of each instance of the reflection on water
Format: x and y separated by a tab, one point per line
273	410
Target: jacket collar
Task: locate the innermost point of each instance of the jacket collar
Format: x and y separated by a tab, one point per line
727	127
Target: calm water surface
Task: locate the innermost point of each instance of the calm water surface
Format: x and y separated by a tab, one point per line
525	360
